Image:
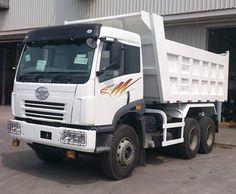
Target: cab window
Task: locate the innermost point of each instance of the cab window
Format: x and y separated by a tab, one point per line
118	59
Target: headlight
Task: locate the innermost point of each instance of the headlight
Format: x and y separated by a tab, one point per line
14	127
73	137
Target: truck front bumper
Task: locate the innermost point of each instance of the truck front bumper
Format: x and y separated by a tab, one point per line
62	137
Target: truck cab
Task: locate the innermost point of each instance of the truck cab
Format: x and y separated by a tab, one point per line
77	75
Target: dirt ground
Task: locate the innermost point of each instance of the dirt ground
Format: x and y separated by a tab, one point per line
22	172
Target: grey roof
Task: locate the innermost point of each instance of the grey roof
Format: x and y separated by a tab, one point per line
26	14
98	8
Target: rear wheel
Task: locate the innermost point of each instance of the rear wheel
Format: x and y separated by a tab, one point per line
122	158
189	148
208	128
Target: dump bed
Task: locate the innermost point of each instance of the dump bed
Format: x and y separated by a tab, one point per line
173	72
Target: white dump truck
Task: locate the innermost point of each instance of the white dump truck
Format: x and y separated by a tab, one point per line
113	87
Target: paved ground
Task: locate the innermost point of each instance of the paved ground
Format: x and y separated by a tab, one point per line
22	173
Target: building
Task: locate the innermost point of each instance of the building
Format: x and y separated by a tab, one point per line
206	24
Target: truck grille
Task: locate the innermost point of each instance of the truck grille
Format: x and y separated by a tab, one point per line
44	110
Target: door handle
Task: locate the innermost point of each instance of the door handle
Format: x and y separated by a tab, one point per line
128	97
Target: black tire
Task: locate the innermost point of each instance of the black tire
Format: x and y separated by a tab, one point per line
189	148
208	128
49	157
123	156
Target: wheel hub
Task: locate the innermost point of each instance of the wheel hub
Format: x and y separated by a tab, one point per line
193	138
125	152
209	136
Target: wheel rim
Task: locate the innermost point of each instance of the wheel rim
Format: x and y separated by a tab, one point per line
209	135
193	138
125	152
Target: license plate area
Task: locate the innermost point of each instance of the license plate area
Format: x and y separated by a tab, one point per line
45	135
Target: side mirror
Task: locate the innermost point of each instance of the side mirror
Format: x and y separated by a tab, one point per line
111	56
91	42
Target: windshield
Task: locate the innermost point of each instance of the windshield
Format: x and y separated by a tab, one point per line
56	62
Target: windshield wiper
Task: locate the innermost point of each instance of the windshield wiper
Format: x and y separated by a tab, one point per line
67	76
32	75
28	75
60	76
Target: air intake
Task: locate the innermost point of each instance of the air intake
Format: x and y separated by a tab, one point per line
49	111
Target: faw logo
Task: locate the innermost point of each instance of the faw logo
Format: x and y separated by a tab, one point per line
120	88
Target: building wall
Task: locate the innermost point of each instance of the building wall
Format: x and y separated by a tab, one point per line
193	35
25	14
99	8
190	34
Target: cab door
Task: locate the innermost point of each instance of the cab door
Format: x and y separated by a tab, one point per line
119	80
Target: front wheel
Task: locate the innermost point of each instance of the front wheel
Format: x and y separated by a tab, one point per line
189	148
122	158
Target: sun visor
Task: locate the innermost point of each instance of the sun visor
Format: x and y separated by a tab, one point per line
64	32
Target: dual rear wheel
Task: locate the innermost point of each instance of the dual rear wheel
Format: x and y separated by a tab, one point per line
199	136
207	140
